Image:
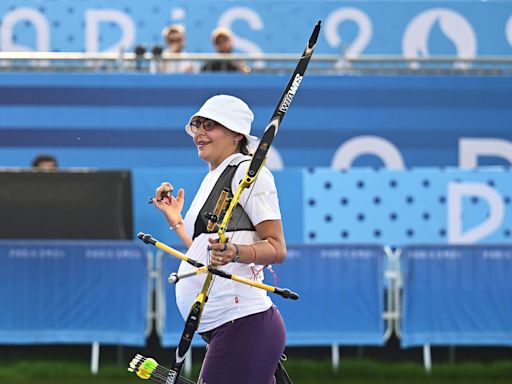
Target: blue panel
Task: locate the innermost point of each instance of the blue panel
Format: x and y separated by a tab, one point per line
401	207
89	119
73	292
341	295
457	296
423	27
106	158
290	190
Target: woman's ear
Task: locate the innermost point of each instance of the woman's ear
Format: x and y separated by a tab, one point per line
239	137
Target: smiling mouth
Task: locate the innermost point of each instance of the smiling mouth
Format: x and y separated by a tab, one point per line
202	143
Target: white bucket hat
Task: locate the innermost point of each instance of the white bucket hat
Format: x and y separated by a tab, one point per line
229	111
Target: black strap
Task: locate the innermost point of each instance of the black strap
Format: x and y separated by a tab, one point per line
240	221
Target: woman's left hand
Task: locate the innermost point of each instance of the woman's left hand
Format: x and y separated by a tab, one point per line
221	253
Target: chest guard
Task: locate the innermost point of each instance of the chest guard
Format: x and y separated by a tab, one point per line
212	212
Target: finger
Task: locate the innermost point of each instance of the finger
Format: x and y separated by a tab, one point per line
215	263
165	194
163	186
216	253
158	202
219	249
211	240
163	190
214	260
158	193
181	195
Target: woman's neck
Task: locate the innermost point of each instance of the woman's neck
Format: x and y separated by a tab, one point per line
215	164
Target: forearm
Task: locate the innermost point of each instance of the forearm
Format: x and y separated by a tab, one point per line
180	230
270	250
264	252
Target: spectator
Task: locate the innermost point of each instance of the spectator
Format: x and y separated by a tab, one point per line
45	163
174	36
222	40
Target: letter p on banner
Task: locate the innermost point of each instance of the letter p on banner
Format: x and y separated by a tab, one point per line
456	192
470	149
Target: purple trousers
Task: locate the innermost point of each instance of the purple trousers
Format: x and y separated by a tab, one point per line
245	351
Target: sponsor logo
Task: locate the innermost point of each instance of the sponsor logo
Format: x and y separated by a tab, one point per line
171	377
291	93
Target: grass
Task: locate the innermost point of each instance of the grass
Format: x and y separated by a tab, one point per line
355	371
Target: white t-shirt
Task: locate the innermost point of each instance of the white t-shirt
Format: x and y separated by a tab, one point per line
181	66
227	299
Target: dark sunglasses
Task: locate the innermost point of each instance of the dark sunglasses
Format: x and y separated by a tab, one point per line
208	125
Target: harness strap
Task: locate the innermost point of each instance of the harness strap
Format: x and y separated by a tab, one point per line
240	221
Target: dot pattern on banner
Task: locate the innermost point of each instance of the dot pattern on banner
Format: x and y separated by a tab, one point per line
67	24
397	207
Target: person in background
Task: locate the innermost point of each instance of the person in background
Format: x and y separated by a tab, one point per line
222	40
174	36
243	328
45	163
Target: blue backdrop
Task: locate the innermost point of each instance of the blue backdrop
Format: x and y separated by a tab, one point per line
124	121
457	296
73	292
364	206
410	28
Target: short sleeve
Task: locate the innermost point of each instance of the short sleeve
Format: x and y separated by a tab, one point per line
260	201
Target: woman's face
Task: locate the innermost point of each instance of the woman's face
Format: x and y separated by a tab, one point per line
175	41
214	142
223	44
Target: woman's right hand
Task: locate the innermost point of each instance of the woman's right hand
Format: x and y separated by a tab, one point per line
169	205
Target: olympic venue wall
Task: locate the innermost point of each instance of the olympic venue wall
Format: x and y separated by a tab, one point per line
100	291
403	143
359	160
423	28
110	121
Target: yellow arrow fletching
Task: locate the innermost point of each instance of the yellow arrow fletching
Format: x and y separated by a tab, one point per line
147	368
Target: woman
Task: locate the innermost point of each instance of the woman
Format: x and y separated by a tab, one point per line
244	329
174	36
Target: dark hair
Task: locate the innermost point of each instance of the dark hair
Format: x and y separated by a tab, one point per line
243	146
43	158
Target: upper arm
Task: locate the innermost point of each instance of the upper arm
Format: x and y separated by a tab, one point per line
261	204
260	201
272	231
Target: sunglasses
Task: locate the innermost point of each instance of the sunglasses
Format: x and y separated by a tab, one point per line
208	125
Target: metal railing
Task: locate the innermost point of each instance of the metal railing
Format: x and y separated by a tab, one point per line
257	63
